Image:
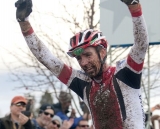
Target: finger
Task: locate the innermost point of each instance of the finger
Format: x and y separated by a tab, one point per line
23	117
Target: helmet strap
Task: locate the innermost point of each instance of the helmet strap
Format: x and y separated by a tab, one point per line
102	63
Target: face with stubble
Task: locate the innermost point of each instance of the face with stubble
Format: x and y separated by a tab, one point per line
17	108
89	61
45	117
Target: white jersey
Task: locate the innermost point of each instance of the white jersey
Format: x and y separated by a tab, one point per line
116	102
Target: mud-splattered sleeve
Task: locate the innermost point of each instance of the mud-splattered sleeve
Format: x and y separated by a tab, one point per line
74	79
137	53
41	52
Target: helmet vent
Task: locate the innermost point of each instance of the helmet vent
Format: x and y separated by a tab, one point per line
73	41
80	36
95	36
87	35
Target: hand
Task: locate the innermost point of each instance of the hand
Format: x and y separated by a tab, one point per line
156	107
130	2
24	8
73	113
23	119
67	123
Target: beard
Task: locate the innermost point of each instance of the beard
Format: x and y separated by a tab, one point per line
91	71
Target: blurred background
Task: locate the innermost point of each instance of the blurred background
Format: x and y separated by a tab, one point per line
55	22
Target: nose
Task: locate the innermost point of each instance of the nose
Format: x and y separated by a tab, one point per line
48	116
83	62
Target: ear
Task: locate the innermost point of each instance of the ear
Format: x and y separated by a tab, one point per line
103	53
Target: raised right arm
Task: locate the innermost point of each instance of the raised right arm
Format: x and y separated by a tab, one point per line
64	73
40	51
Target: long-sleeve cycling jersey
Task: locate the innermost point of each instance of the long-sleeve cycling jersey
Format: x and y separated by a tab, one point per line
115	102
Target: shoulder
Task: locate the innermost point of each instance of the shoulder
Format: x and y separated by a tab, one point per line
6	118
28	125
35	124
33	121
120	64
57	107
2	124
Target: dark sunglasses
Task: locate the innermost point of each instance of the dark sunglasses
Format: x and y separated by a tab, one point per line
46	113
83	126
58	125
20	104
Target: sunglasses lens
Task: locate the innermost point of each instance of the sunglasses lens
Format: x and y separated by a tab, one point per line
83	125
20	104
53	122
46	113
78	51
56	124
70	54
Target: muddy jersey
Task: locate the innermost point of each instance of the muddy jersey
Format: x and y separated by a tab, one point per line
115	102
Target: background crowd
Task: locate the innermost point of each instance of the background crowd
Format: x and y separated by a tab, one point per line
49	116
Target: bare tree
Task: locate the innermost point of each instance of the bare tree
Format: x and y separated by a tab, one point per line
65	23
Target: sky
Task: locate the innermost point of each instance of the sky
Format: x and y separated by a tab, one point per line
11	37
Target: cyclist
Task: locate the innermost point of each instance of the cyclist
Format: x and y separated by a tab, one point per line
112	94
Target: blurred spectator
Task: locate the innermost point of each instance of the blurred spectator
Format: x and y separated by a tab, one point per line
62	108
154	117
46	113
156	107
67	123
16	119
57	123
83	124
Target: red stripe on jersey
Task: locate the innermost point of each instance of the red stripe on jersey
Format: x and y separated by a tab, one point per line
30	31
136	12
134	65
65	74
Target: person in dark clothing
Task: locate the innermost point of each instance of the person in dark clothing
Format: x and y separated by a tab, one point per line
16	119
83	124
46	113
61	109
57	123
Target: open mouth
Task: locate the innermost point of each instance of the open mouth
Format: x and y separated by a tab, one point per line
89	70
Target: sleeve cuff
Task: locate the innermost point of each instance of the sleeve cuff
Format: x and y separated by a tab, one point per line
136	12
30	31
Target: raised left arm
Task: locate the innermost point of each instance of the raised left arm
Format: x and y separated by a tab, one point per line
137	53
